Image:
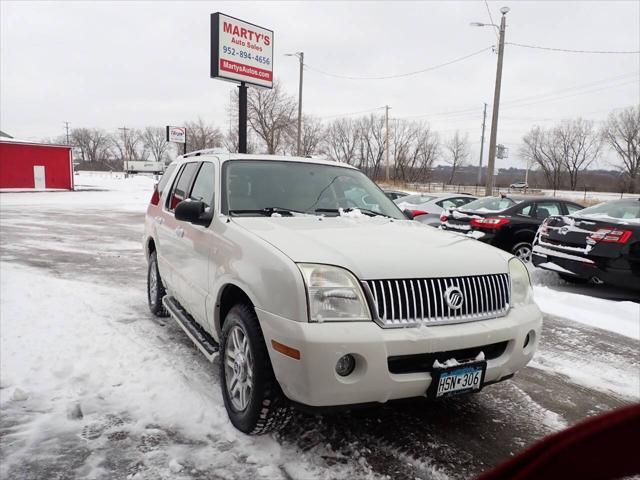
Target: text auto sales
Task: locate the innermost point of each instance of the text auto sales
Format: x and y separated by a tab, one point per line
244	37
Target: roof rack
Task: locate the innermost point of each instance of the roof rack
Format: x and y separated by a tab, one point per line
206	151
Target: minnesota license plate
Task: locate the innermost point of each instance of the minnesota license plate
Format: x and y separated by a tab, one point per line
456	380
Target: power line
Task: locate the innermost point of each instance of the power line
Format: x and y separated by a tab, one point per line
351	113
537	47
572	95
399	75
572	88
491	18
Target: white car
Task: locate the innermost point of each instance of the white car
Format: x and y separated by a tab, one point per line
519	185
427	207
311	288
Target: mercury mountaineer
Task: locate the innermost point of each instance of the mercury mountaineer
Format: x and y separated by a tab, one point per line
312	289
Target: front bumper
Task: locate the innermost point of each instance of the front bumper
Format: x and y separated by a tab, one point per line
312	380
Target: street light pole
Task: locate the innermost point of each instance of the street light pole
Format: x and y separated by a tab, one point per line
300	56
496	106
484	121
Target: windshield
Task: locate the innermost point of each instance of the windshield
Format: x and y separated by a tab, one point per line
259	187
626	210
414	199
489	204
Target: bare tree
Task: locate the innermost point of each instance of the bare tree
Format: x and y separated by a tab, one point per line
231	141
127	145
341	139
541	147
92	144
622	133
371	146
271	114
201	135
580	146
458	151
310	138
154	140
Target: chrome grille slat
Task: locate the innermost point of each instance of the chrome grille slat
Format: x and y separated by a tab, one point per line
410	302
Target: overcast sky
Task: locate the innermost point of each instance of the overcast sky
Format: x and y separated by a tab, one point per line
109	64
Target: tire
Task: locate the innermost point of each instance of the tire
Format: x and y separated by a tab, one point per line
264	408
155	288
523	251
572	279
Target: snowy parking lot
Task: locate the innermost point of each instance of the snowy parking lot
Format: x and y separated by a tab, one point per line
94	386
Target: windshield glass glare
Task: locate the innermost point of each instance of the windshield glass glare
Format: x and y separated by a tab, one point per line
252	186
619	209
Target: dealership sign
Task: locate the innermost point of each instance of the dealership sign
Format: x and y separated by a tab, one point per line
241	51
176	134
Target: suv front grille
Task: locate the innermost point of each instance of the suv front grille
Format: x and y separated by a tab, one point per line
402	303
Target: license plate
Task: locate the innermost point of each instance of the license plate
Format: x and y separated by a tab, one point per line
456	380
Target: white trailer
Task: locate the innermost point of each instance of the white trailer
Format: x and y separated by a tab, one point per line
144	167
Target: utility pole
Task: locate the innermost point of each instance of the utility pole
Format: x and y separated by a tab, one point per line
300	56
126	156
496	106
484	121
386	140
66	126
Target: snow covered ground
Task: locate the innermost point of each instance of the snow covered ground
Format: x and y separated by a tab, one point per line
93	386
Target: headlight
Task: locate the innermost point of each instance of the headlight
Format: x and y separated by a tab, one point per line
521	292
334	294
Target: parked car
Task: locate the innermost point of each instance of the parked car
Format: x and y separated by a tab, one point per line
427	207
507	222
276	265
599	244
394	194
519	185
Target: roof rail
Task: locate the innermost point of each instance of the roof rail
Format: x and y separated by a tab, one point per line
205	151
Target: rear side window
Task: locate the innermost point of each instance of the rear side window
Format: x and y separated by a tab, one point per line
453	202
546	209
571	208
165	178
181	185
525	211
204	186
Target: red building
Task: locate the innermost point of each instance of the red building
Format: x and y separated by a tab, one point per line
27	165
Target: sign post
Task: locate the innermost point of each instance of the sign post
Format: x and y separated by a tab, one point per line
241	52
178	135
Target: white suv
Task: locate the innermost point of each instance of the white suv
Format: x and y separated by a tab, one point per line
317	291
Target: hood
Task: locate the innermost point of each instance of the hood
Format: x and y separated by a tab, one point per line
377	247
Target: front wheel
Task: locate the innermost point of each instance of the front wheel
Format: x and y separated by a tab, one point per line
252	396
155	288
522	251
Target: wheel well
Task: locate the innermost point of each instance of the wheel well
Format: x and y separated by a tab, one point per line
231	295
151	246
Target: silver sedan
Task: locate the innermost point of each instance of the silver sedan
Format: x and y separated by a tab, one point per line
427	207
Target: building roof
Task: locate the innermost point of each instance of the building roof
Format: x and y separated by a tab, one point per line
31	142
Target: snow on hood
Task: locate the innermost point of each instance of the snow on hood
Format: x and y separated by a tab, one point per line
608	218
377	247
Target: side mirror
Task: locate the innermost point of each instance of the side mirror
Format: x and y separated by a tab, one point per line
408	214
193	212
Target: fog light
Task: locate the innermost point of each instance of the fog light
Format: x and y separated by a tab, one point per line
345	365
528	339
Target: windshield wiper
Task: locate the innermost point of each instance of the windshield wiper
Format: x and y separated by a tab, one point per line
366	211
267	212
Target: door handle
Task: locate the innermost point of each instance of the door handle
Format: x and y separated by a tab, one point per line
159	220
179	232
